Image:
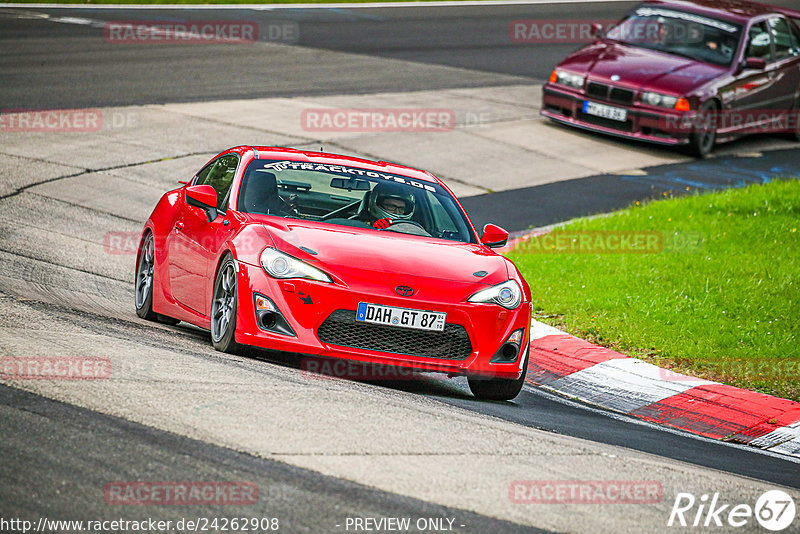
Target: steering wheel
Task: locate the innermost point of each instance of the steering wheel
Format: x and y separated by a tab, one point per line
415	227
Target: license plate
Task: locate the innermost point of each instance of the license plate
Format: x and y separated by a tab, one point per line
402	317
607	112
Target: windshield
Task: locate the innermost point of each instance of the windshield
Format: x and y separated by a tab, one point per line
680	33
351	196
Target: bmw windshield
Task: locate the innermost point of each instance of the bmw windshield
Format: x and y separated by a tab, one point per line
351	196
679	33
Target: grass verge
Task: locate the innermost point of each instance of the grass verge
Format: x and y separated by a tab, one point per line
713	291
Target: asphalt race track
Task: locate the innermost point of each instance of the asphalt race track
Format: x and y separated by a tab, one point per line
319	450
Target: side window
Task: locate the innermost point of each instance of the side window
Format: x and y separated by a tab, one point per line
440	217
758	42
447	219
219	175
786	42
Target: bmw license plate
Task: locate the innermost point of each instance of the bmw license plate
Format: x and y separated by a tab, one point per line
607	112
402	317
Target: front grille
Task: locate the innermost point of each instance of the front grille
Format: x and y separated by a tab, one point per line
621	96
610	93
597	90
341	328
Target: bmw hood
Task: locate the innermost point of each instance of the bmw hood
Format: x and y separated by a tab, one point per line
641	68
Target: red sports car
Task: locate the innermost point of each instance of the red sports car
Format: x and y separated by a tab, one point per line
338	257
684	73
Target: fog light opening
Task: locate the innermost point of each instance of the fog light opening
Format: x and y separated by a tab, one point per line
509	352
268	320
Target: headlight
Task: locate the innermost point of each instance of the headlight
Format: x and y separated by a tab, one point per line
657	99
567	78
508	295
280	265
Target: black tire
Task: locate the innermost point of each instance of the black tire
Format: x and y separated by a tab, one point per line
703	139
498	389
224	303
794	135
145	280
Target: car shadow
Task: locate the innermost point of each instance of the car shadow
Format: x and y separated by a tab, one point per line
431	384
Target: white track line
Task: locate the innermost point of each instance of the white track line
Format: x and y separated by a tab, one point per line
557	397
623	385
540	330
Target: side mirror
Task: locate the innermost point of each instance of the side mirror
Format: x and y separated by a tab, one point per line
203	197
597	31
493	236
757	63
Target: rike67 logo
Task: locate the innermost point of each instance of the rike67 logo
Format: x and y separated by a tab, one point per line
774	510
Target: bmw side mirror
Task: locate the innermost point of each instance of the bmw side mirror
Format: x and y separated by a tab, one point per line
493	236
203	197
597	31
757	63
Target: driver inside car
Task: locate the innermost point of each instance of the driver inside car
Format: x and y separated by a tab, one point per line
389	204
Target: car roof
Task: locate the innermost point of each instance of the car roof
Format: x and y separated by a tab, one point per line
292	154
734	10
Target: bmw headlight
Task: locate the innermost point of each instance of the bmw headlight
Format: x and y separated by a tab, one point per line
657	99
280	265
569	79
508	295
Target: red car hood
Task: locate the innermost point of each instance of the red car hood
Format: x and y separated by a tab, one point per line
351	253
641	68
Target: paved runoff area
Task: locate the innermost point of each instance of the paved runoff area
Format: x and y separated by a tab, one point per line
75	194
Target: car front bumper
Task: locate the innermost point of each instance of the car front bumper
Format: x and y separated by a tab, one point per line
307	305
653	127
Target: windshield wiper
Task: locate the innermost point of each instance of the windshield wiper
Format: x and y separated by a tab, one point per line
682	54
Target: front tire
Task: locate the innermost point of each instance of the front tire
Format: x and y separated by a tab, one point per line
145	280
224	306
794	135
703	139
498	389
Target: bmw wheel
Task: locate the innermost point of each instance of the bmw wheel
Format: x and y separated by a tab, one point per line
704	137
794	118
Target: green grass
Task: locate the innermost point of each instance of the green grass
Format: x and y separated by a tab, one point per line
721	301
